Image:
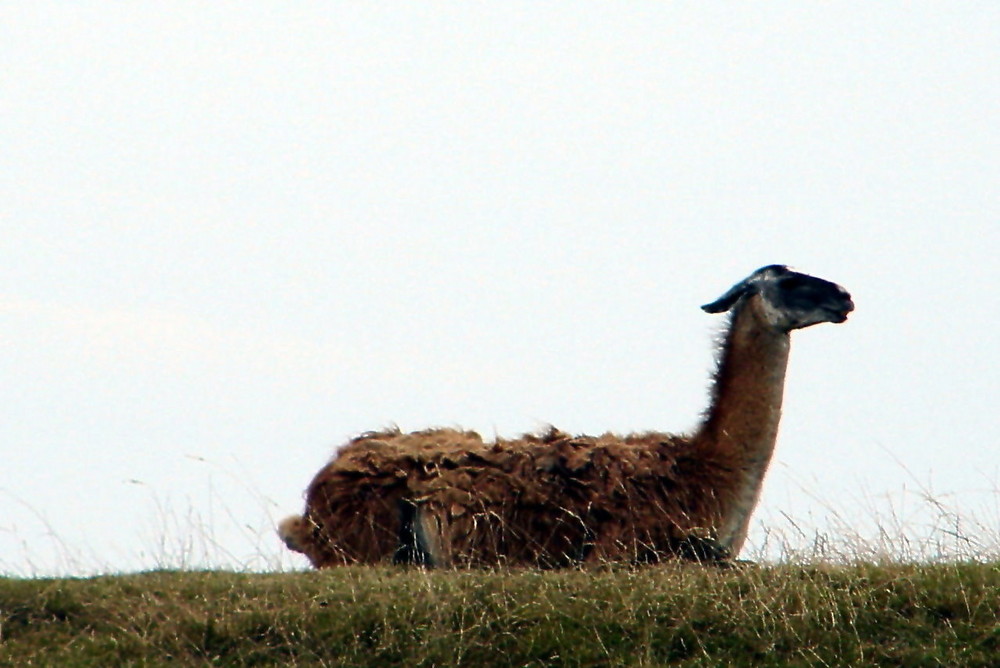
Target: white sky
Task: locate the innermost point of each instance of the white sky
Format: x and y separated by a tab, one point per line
235	234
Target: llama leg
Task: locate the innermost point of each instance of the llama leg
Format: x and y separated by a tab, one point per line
702	550
412	537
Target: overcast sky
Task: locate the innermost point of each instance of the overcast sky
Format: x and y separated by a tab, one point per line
236	234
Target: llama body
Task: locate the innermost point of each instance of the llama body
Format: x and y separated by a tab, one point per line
445	497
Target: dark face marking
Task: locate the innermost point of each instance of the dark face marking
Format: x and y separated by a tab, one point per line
794	300
806	300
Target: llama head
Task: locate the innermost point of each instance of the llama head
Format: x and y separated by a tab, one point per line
787	299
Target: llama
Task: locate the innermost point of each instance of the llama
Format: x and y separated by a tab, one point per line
446	498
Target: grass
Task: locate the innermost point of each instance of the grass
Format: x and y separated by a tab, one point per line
906	580
675	614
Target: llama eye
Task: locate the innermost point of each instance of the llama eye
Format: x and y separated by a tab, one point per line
792	283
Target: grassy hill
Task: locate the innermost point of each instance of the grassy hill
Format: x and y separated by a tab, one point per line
912	615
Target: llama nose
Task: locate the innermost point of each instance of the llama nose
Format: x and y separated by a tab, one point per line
846	297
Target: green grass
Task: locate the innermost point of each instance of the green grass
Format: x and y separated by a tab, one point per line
686	615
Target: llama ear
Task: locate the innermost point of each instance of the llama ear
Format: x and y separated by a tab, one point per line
726	301
747	286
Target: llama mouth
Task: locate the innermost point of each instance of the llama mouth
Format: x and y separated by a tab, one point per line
839	315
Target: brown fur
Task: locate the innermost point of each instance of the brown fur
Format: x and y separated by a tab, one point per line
547	500
445	497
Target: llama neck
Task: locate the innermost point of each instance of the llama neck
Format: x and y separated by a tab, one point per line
740	429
